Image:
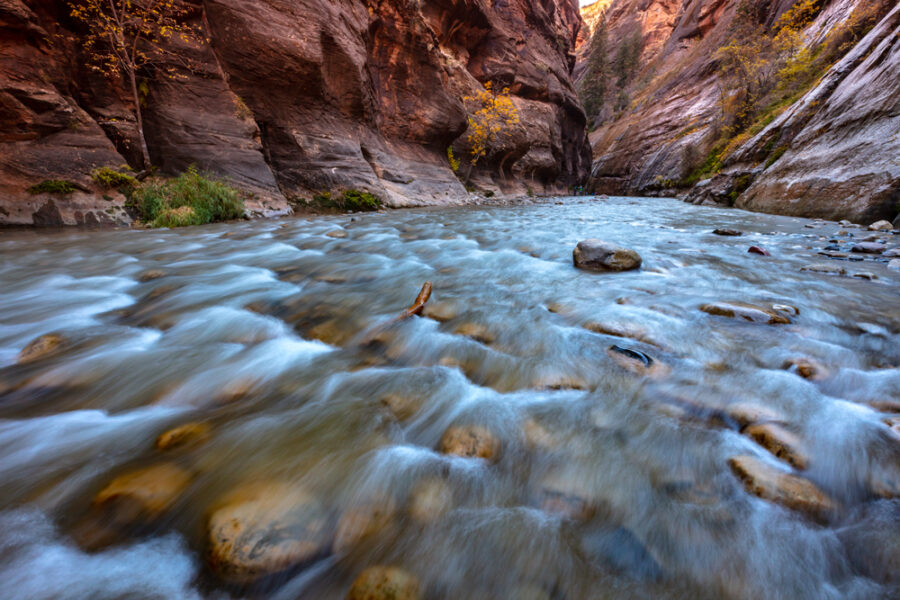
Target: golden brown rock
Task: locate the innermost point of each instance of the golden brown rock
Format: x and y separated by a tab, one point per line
806	368
403	406
189	434
470	441
747	413
264	528
780	442
384	583
143	494
440	311
781	487
42	347
476	331
150	275
746	312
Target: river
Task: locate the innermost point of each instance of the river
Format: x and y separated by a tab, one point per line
542	432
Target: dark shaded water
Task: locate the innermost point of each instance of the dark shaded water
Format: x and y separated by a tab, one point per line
605	480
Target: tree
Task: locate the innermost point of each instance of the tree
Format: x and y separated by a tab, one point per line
593	84
491	117
628	57
129	38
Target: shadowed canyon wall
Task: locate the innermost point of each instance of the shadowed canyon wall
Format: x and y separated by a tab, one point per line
831	153
292	97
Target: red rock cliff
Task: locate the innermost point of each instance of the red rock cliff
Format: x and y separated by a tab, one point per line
292	97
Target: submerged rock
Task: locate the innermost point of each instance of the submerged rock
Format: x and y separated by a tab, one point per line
384	583
475	331
779	441
403	406
430	499
440	311
42	347
470	441
150	275
747	312
826	269
184	435
261	529
362	521
337	233
598	255
786	489
806	368
144	494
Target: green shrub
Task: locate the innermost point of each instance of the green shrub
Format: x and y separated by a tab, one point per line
52	186
110	178
740	186
348	200
209	199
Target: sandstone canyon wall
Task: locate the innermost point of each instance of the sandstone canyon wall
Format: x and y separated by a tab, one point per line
291	97
837	145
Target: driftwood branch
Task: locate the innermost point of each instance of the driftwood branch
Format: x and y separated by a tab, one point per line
415	309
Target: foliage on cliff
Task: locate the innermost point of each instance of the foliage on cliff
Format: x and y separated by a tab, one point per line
492	116
764	71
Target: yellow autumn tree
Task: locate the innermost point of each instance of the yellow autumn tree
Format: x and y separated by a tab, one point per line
491	116
132	37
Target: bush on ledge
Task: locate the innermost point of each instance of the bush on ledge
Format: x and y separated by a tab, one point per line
189	199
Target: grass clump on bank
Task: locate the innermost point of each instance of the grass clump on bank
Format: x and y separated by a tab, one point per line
189	199
348	200
109	178
52	186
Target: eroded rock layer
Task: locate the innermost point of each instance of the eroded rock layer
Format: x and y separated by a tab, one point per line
836	155
291	97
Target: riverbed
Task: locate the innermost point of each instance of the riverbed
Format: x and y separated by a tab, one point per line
538	432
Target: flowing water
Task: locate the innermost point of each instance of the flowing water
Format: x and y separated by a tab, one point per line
601	473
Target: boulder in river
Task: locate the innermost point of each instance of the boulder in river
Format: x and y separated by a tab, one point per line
728	232
470	441
746	312
881	226
781	487
42	347
262	529
384	583
892	253
598	255
826	269
758	250
143	494
868	248
779	441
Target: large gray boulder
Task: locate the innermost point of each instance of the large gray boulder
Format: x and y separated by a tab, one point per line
598	255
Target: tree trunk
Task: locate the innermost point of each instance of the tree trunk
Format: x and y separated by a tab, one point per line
139	117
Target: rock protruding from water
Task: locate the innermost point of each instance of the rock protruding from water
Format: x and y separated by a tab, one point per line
747	312
470	441
143	494
384	583
791	491
868	248
42	347
265	528
728	232
881	226
779	441
189	434
598	255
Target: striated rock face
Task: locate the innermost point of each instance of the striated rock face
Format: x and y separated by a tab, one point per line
293	97
842	140
838	155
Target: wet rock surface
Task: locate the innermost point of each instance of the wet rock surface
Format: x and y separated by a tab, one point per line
744	312
781	487
598	255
